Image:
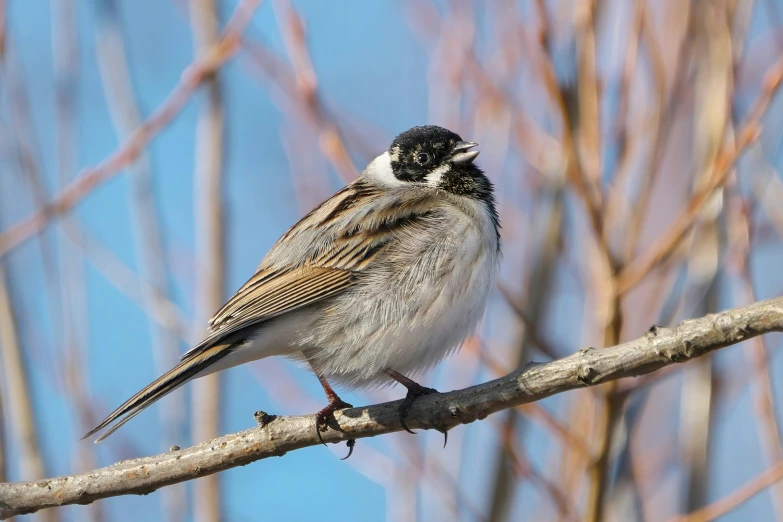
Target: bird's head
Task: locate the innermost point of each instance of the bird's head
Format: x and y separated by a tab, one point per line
436	157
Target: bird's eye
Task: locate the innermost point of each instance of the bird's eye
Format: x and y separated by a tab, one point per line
422	158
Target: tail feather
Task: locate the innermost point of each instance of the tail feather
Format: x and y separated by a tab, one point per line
163	385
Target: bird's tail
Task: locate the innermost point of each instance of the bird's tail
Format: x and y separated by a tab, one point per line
163	385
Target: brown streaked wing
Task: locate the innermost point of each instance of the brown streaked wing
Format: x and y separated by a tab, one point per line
273	296
349	197
274	291
245	293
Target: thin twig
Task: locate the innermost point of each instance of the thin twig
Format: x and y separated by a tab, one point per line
330	138
73	340
90	178
164	313
663	121
762	379
736	498
3	445
544	251
728	155
210	248
18	402
155	298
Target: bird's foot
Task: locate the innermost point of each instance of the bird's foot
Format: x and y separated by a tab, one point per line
414	391
351	444
335	403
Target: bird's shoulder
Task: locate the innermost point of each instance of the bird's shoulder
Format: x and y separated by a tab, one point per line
353	225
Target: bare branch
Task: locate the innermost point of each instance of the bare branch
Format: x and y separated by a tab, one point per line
660	347
18	399
735	499
210	247
154	297
196	73
721	168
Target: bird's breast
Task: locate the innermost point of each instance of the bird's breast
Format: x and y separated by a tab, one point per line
416	306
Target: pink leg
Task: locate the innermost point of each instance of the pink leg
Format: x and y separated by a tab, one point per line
335	403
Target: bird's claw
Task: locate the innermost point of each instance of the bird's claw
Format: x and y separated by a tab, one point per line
351	443
323	415
413	393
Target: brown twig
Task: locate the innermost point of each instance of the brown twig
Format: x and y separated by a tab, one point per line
210	247
89	179
616	205
330	138
155	298
736	498
749	131
609	414
73	340
18	402
662	120
761	382
588	132
544	252
579	180
164	312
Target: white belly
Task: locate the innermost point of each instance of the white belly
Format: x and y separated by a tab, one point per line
406	315
409	323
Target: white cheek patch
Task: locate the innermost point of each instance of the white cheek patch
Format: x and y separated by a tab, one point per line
380	170
395	154
434	177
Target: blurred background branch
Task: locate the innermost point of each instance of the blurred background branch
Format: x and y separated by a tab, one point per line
18	407
154	272
210	248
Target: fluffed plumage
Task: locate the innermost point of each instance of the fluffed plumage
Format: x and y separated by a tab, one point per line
390	273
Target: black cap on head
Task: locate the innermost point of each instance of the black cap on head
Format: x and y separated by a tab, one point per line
418	151
436	157
425	134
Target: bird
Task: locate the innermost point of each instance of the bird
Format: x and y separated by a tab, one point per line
377	284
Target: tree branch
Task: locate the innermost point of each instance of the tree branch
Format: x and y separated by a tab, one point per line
278	435
192	77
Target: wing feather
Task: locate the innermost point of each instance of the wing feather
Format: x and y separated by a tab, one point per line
286	292
343	235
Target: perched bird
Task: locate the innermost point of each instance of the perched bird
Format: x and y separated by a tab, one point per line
381	281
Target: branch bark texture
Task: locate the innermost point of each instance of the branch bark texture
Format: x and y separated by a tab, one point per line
275	436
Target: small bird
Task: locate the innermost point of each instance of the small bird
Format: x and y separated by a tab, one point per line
378	283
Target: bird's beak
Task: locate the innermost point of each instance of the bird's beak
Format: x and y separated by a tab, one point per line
461	152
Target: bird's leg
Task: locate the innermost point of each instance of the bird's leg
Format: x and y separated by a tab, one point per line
414	390
335	403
